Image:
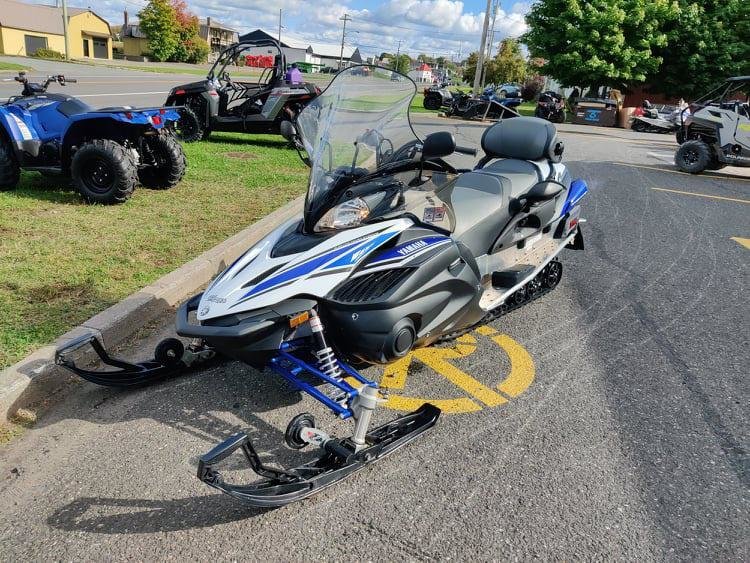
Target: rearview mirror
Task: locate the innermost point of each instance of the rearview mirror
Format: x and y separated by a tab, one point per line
437	145
544	191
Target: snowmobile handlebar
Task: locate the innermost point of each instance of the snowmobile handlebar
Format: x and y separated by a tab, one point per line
466	150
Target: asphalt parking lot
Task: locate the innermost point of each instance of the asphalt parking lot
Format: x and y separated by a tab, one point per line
608	419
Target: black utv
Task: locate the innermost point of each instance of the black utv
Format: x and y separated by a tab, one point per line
245	105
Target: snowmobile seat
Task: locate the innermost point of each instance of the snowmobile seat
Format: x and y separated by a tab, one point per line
516	142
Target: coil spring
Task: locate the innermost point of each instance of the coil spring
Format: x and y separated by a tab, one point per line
327	363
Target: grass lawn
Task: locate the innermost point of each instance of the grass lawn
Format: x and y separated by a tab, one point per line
527	108
13	66
62	261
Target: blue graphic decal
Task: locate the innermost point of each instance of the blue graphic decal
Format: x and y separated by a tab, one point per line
592	114
298	271
408	248
356	254
577	190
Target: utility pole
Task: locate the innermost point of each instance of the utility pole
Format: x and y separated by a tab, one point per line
345	19
279	25
482	44
65	29
398	54
490	41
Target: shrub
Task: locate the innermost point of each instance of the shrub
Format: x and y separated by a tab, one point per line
48	54
197	51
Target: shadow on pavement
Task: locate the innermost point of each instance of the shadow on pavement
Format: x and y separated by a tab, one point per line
107	515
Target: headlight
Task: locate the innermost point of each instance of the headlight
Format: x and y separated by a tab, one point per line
344	216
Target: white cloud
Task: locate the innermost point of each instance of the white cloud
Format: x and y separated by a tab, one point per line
443	27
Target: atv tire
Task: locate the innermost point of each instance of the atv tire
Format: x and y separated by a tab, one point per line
189	128
693	157
558	117
170	163
10	171
103	171
432	102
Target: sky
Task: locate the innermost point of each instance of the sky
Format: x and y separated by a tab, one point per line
439	27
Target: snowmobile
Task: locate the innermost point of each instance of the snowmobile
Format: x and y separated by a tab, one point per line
651	120
396	249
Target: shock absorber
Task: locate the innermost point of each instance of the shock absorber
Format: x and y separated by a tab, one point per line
327	362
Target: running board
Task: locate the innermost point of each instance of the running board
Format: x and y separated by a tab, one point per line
493	298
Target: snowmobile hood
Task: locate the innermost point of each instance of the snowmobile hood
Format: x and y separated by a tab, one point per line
257	279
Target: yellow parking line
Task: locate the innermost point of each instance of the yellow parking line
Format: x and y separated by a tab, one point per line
409	404
702	195
672	171
521	366
435	358
743	241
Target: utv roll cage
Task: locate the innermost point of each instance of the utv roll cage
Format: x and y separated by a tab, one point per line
718	96
229	56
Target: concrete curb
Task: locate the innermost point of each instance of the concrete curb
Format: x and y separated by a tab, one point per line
36	377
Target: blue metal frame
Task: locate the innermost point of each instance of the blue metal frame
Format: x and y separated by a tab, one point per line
280	364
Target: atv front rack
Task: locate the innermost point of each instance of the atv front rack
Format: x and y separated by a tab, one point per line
340	459
170	358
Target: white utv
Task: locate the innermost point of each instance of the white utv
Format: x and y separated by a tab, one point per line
717	131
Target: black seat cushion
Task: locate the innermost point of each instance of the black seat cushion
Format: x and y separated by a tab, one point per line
523	138
72	107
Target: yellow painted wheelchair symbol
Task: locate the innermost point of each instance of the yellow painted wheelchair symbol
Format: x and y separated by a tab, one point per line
478	395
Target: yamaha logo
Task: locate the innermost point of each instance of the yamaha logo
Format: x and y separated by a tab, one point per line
409	248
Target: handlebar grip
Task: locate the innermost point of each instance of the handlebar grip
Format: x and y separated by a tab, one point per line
466	150
73	80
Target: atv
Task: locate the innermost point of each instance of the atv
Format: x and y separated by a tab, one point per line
105	152
716	132
221	103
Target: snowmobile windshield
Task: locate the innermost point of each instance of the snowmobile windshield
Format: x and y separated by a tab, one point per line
359	124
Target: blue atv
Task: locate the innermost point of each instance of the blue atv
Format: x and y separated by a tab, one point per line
105	152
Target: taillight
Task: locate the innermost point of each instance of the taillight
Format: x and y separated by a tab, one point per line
128	115
179	92
162	111
156	120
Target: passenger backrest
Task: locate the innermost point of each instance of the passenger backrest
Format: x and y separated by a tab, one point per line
523	138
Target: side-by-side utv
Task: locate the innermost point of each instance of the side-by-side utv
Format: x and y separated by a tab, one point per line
717	131
246	105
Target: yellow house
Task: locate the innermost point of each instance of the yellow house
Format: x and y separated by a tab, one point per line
24	28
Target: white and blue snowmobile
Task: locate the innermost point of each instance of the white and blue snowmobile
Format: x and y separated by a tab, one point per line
396	250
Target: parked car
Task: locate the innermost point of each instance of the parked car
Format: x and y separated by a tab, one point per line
106	152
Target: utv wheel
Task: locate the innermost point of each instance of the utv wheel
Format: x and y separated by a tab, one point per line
10	171
292	436
715	164
693	157
189	128
169	352
170	163
104	171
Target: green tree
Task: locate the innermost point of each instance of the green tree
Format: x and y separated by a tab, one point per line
402	63
158	22
599	42
470	67
708	42
509	65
